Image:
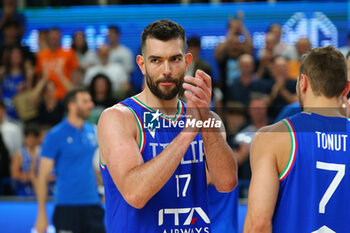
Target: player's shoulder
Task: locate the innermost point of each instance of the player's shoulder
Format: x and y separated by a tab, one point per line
117	113
279	126
275	134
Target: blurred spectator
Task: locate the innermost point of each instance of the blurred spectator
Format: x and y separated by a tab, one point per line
247	82
281	47
345	49
16	77
119	53
270	43
24	162
10	142
235	119
257	112
302	46
43	40
5	184
288	110
69	147
85	56
101	92
265	55
194	47
12	37
9	14
227	52
114	71
348	62
11	133
50	110
60	64
282	89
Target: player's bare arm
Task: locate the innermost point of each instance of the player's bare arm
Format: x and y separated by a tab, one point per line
222	163
45	168
136	180
269	155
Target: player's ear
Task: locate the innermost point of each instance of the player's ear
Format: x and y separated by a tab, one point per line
347	88
141	63
188	60
304	83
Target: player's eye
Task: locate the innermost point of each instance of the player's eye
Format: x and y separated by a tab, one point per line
176	59
154	60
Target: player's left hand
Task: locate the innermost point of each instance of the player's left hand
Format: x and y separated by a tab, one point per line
199	91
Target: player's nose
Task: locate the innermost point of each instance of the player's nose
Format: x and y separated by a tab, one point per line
167	69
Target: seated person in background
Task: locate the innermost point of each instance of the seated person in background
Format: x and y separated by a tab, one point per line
281	47
43	40
114	71
228	51
282	89
50	110
24	162
61	65
247	83
16	77
302	46
194	47
12	38
258	117
119	53
86	57
235	119
10	131
101	93
10	13
265	55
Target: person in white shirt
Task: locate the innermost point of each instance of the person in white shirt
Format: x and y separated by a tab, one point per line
119	53
114	71
11	132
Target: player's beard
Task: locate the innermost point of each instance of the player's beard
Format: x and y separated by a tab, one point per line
167	93
83	114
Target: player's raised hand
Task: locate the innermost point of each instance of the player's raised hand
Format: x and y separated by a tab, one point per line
199	91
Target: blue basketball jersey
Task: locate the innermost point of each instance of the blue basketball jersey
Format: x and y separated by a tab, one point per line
181	205
315	185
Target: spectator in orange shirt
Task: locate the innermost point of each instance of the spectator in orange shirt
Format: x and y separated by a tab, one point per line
59	63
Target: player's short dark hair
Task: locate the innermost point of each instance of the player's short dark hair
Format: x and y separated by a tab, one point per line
163	30
32	129
194	41
55	29
114	28
326	69
347	55
71	96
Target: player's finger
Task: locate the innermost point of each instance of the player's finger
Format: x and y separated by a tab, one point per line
196	91
196	101
205	77
199	82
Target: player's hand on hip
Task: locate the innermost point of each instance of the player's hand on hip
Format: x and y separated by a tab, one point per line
41	223
199	92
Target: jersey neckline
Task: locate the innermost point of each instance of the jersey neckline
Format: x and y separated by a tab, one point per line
319	116
176	117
